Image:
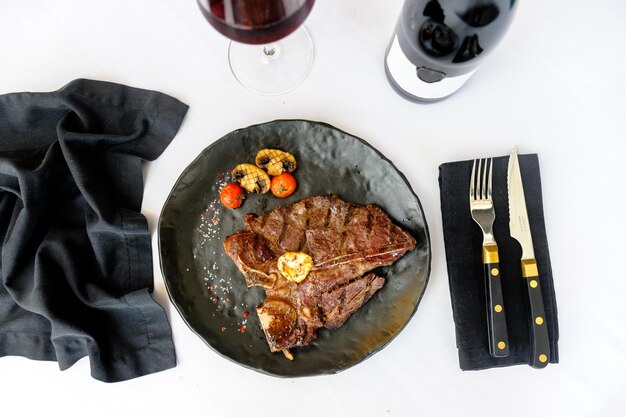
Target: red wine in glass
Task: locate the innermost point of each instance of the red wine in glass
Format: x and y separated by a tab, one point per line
256	21
270	53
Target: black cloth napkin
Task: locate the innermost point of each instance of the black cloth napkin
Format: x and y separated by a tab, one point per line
463	243
76	259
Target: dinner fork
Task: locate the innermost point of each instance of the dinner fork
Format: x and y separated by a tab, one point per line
483	213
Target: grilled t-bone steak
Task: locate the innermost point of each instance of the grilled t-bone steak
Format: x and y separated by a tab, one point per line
345	240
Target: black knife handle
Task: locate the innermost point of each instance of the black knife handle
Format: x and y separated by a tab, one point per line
540	343
496	317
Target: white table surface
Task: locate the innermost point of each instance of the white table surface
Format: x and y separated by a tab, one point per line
554	86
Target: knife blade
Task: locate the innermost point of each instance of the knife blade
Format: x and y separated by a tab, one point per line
519	228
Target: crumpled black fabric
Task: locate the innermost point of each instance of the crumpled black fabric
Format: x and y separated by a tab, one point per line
463	243
76	258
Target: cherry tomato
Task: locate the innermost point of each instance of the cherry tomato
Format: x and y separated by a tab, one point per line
232	195
283	185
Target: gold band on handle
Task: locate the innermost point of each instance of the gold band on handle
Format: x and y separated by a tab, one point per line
529	268
490	254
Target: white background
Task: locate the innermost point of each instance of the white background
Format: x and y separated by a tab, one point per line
555	86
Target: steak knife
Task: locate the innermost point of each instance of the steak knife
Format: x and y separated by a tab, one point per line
520	230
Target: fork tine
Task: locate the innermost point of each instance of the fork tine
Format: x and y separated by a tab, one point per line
481	176
484	180
472	187
490	178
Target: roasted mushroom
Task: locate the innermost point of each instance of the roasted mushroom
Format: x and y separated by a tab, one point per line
275	161
253	179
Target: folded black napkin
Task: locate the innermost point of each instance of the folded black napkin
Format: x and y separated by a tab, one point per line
463	242
76	259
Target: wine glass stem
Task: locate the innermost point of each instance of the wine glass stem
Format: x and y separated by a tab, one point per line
274	68
270	50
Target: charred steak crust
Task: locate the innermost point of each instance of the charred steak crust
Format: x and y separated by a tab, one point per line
345	240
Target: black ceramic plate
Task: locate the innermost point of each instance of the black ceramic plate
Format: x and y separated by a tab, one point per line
209	291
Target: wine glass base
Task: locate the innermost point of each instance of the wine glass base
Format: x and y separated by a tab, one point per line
273	69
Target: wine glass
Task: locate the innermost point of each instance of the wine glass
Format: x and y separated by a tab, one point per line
269	53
